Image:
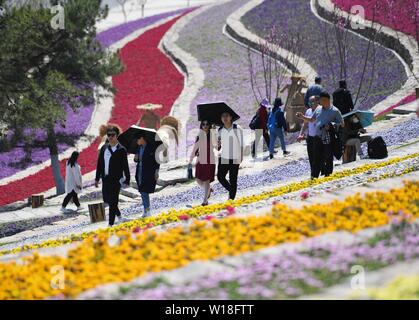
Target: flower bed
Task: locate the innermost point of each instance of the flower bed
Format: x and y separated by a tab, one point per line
398	15
104	259
76	123
143	61
401	288
292	273
173	215
296	15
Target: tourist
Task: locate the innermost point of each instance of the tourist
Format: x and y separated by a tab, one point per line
342	98
277	126
313	90
351	135
323	149
261	126
73	182
147	171
112	168
230	142
205	167
308	130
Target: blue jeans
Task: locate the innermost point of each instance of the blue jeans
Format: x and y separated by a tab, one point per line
146	200
274	134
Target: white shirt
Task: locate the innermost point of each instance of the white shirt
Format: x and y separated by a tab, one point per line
108	156
311	125
73	179
231	143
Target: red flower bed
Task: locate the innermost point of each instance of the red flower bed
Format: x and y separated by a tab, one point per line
405	100
149	77
396	14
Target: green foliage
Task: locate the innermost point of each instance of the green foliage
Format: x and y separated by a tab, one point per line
42	68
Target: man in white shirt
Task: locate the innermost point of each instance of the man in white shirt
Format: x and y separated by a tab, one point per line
231	153
308	130
323	148
113	169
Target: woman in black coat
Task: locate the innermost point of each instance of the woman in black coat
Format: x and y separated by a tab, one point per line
147	172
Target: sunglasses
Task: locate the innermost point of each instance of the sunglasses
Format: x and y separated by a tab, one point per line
205	124
111	134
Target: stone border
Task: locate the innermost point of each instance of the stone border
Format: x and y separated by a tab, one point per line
401	44
186	64
236	29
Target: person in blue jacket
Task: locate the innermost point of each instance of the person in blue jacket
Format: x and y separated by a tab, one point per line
147	172
276	126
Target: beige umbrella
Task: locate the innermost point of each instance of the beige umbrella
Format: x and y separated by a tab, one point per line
149	106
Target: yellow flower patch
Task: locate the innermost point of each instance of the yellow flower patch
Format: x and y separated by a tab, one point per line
95	262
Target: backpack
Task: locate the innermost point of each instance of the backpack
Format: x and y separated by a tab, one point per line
254	123
377	148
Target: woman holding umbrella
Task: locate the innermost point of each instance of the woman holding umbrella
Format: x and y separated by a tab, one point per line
147	172
205	167
142	142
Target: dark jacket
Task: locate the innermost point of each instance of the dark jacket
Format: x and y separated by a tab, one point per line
280	119
342	99
263	118
149	168
118	164
350	130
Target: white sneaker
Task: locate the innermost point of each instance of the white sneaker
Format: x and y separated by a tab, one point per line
146	214
63	210
80	208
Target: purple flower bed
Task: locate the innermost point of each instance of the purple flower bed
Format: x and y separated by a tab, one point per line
224	63
291	273
401	133
77	121
295	15
114	34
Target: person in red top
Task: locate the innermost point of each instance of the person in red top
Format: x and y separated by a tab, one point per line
262	129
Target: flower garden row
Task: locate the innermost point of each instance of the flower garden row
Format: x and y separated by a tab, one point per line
101	259
143	61
209	212
296	16
292	273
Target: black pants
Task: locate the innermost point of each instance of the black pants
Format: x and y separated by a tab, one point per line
258	134
110	191
71	195
310	151
224	167
323	158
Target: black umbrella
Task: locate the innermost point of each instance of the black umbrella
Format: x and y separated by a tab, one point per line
212	112
129	137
